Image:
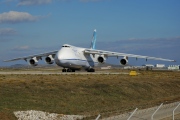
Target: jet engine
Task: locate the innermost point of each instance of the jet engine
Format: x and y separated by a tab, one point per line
49	59
124	61
33	61
101	59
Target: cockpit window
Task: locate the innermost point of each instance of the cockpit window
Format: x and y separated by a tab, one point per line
66	46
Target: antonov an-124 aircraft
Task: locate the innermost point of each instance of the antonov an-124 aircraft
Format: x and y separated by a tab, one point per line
73	58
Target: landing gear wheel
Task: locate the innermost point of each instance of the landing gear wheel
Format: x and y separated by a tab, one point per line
91	70
69	70
64	70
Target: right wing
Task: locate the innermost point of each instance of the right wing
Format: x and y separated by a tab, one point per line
38	56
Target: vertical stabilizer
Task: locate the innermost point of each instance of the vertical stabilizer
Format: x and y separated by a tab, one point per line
93	42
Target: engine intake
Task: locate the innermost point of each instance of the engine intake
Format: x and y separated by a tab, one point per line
33	61
100	59
49	59
123	61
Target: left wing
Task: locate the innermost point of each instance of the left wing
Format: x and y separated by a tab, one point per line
38	56
116	54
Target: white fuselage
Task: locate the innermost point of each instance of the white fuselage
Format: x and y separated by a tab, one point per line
74	58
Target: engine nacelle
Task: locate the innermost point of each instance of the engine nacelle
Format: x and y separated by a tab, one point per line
33	61
49	59
101	59
123	61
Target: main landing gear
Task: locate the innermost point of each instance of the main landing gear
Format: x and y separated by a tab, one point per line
68	70
91	70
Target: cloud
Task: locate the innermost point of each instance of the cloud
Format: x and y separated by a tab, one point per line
7	31
135	44
17	17
21	48
89	0
6	1
33	2
42	2
153	39
2	39
26	48
81	0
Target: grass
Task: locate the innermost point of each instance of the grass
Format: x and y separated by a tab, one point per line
86	94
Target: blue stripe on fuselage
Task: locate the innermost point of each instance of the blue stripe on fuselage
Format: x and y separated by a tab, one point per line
79	60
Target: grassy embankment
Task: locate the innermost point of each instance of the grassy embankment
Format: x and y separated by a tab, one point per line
86	94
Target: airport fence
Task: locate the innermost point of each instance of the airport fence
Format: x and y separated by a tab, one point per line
155	113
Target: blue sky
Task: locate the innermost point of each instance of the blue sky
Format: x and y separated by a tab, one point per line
144	27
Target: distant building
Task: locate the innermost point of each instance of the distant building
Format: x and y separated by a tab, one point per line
174	67
160	65
148	65
127	67
104	68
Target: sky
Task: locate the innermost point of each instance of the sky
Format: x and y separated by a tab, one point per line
143	27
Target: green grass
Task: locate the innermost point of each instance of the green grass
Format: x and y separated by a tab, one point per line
86	94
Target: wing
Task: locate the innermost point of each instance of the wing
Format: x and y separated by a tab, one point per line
116	54
39	56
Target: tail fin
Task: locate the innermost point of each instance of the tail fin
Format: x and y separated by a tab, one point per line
93	42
